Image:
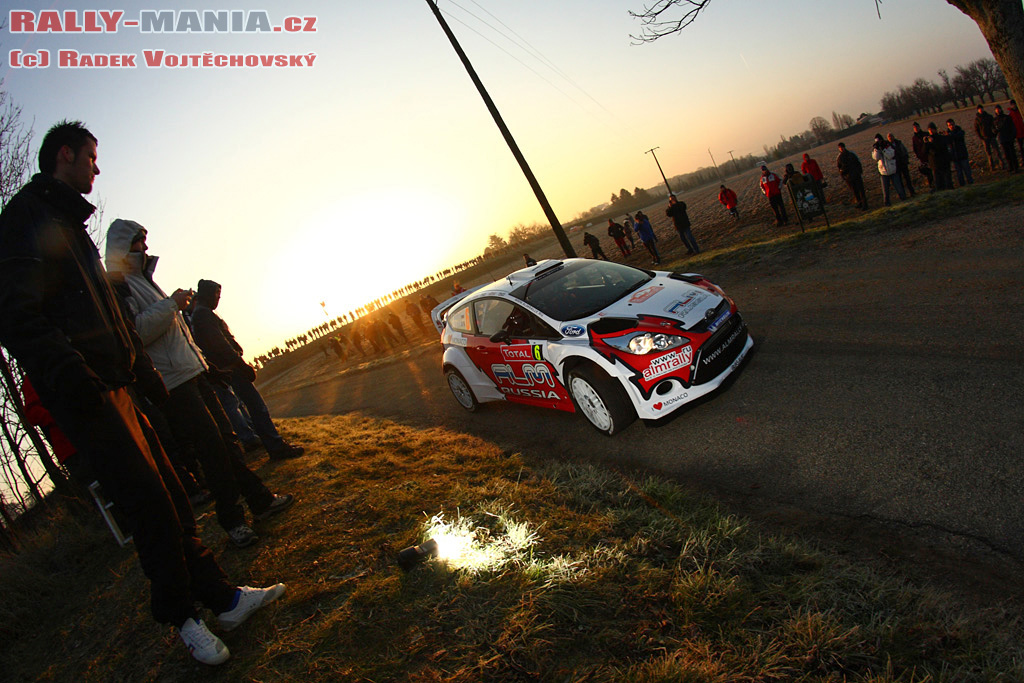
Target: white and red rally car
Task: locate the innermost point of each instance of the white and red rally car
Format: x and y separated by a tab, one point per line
612	341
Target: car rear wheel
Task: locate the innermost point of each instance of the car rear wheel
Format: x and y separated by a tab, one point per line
601	400
460	389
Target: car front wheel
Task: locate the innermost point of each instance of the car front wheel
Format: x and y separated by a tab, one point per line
601	400
460	389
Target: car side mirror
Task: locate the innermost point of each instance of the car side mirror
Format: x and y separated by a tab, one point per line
501	336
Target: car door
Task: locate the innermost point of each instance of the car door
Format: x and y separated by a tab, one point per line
511	350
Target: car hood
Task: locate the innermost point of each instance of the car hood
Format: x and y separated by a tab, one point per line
667	298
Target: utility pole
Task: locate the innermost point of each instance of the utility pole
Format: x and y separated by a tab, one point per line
548	211
733	161
717	170
651	152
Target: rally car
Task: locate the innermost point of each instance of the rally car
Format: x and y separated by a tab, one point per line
605	339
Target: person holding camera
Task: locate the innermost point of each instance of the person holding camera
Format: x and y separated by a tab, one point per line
883	153
225	354
191	404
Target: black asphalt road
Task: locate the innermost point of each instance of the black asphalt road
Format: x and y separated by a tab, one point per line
885	385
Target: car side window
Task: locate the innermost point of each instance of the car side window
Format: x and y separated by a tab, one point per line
491	315
461	320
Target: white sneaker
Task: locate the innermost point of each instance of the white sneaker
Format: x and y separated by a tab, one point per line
203	645
249	600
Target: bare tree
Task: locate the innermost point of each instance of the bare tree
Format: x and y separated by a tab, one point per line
821	129
1000	21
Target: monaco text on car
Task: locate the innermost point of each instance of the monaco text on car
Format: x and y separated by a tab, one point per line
605	339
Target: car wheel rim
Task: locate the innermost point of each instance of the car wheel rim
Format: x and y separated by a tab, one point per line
461	392
591	404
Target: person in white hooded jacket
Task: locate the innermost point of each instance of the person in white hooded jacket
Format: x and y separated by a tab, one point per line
192	403
885	155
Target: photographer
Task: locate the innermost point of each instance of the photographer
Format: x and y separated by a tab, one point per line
884	153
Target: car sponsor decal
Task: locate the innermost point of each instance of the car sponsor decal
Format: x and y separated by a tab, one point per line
531	393
530	374
573	331
681	308
661	405
668	363
728	342
526	352
458	339
644	294
717	322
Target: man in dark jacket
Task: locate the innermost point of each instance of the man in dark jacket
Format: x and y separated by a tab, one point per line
595	245
917	140
957	140
618	233
937	149
60	319
225	354
851	171
985	128
677	212
1006	133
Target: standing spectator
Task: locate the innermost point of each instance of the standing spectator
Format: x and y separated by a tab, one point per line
595	245
771	188
957	140
902	162
937	149
852	173
1006	132
618	233
985	128
809	167
791	178
225	354
59	317
728	199
630	226
885	155
396	323
413	311
168	342
1018	123
646	234
677	212
922	155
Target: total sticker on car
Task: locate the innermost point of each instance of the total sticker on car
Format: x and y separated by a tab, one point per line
644	294
681	308
670	362
522	352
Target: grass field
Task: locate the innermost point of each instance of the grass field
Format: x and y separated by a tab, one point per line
559	573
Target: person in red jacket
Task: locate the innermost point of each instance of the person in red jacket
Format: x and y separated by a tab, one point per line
771	188
810	168
727	198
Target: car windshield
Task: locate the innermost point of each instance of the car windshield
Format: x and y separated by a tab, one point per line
577	289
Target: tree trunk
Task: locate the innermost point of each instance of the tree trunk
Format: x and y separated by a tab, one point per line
1002	24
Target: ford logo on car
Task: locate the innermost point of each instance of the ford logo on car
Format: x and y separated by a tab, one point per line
573	331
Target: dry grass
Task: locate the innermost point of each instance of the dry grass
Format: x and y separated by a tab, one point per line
589	575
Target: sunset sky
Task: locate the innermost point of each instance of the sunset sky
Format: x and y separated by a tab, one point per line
379	164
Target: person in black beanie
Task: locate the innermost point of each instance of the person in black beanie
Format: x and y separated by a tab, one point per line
221	350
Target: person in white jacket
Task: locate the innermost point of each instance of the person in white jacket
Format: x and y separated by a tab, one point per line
885	155
192	403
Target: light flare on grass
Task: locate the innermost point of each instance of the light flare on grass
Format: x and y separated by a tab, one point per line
463	545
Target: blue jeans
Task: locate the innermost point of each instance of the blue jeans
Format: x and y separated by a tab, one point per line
893	179
261	422
688	241
963	170
241	423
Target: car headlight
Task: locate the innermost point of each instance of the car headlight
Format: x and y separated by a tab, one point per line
647	342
